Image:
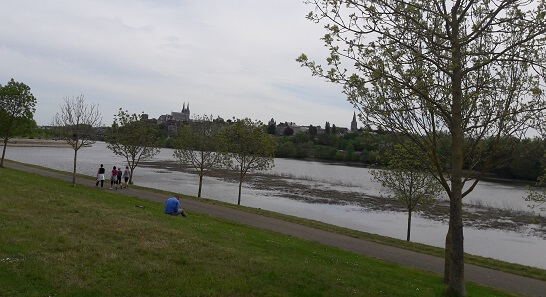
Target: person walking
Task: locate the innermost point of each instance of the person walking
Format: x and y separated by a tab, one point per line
114	178
100	176
172	207
118	182
126	175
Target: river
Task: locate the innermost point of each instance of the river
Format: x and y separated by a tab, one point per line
525	244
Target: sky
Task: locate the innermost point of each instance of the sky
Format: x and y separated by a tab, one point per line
225	58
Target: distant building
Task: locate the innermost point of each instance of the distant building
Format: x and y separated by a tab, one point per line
283	126
184	115
353	123
171	122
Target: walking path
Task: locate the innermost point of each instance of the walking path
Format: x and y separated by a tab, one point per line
489	277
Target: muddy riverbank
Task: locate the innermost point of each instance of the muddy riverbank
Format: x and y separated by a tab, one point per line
23	142
308	191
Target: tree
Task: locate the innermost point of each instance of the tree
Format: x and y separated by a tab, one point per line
312	131
76	125
198	145
470	69
350	149
16	105
248	148
408	182
272	128
327	128
133	138
537	195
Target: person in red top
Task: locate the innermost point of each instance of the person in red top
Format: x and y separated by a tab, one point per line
114	178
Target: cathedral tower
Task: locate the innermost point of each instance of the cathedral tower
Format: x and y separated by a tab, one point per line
353	123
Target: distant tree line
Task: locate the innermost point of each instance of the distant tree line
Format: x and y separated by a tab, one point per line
521	159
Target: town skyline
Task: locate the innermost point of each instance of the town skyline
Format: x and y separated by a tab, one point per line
228	59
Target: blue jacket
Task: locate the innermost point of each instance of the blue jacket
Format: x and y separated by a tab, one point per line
171	205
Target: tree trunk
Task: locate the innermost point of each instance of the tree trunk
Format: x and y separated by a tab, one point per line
131	174
447	257
4	152
74	172
240	185
200	185
409	225
456	277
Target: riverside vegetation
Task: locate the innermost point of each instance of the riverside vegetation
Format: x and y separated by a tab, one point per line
63	241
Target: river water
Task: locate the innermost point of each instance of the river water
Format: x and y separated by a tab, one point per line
524	246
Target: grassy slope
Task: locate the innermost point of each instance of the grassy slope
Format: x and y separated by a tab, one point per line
517	269
63	241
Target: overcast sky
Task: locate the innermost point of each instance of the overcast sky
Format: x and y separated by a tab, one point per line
225	58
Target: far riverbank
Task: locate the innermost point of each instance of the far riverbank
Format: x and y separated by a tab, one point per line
24	142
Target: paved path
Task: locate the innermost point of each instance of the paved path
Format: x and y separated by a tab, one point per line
492	278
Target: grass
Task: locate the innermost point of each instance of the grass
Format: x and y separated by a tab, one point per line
63	241
513	268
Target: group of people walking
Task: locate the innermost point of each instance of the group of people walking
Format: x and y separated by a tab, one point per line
115	178
172	205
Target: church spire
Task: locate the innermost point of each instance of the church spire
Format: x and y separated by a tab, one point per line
353	123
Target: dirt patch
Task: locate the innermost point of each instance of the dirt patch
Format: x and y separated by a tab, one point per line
309	191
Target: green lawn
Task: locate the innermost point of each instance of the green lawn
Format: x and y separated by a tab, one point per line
56	240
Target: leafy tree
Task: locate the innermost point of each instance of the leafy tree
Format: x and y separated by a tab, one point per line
324	152
408	182
76	125
312	131
272	129
198	146
248	148
350	149
327	128
334	129
133	138
300	137
286	149
471	69
26	127
526	159
537	195
17	104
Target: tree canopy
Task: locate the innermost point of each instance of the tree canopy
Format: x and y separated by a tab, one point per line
248	147
468	69
133	138
199	146
407	181
17	105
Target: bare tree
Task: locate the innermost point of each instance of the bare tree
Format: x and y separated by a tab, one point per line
473	70
76	125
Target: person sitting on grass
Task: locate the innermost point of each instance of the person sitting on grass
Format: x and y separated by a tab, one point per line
172	207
